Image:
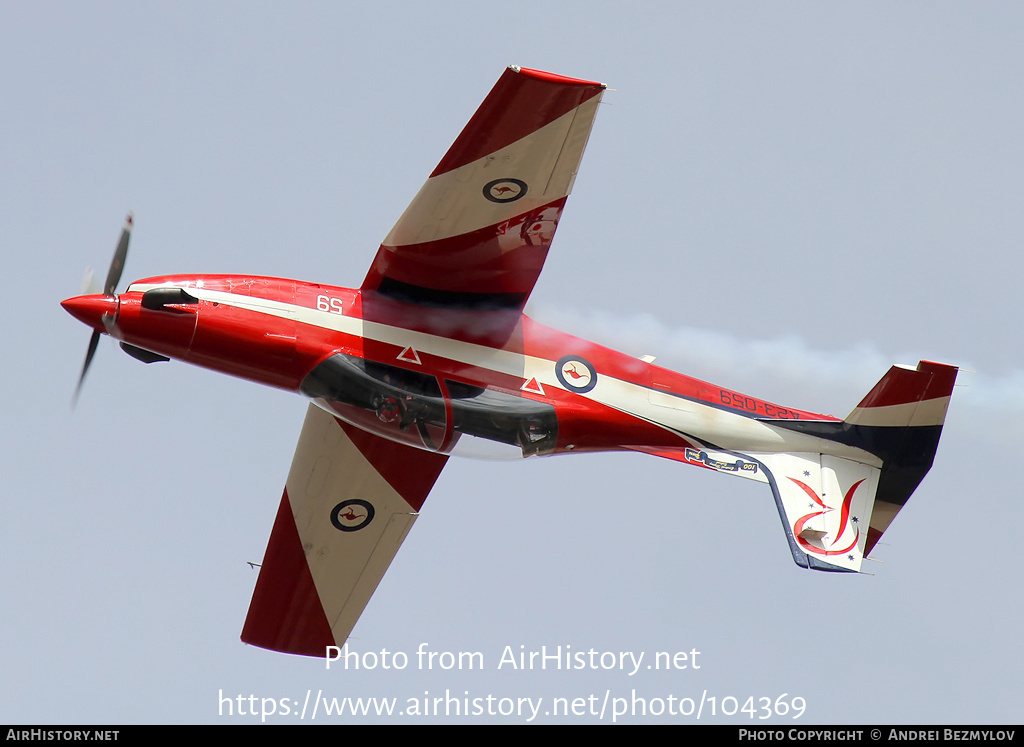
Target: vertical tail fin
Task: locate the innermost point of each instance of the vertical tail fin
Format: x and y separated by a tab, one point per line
900	420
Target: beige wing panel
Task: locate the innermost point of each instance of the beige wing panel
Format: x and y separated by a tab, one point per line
478	231
349	501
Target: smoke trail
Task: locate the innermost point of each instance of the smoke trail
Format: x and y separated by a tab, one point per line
784	369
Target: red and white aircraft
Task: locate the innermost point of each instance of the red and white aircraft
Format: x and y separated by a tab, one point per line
433	352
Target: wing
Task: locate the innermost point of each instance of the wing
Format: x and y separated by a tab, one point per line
350	499
477	233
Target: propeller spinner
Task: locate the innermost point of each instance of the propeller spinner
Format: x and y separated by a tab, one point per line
100	311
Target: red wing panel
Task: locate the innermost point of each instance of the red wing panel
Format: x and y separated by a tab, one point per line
350	499
478	231
285	613
537	99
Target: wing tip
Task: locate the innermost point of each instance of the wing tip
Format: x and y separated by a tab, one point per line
554	77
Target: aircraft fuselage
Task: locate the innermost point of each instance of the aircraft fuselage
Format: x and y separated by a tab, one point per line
428	376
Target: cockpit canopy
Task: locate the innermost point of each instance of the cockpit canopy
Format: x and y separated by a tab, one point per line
417	409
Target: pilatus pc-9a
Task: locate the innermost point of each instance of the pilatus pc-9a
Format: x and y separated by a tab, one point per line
433	349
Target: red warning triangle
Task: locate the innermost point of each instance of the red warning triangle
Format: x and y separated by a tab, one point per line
532	385
409	356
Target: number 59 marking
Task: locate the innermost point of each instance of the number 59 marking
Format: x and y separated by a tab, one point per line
326	303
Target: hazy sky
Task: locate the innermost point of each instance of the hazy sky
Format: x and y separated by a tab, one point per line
783	198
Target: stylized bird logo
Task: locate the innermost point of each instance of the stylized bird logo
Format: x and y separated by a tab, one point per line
844	515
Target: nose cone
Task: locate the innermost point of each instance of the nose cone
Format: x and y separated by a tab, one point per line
91	310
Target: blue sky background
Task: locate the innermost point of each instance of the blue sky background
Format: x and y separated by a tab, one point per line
781	198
